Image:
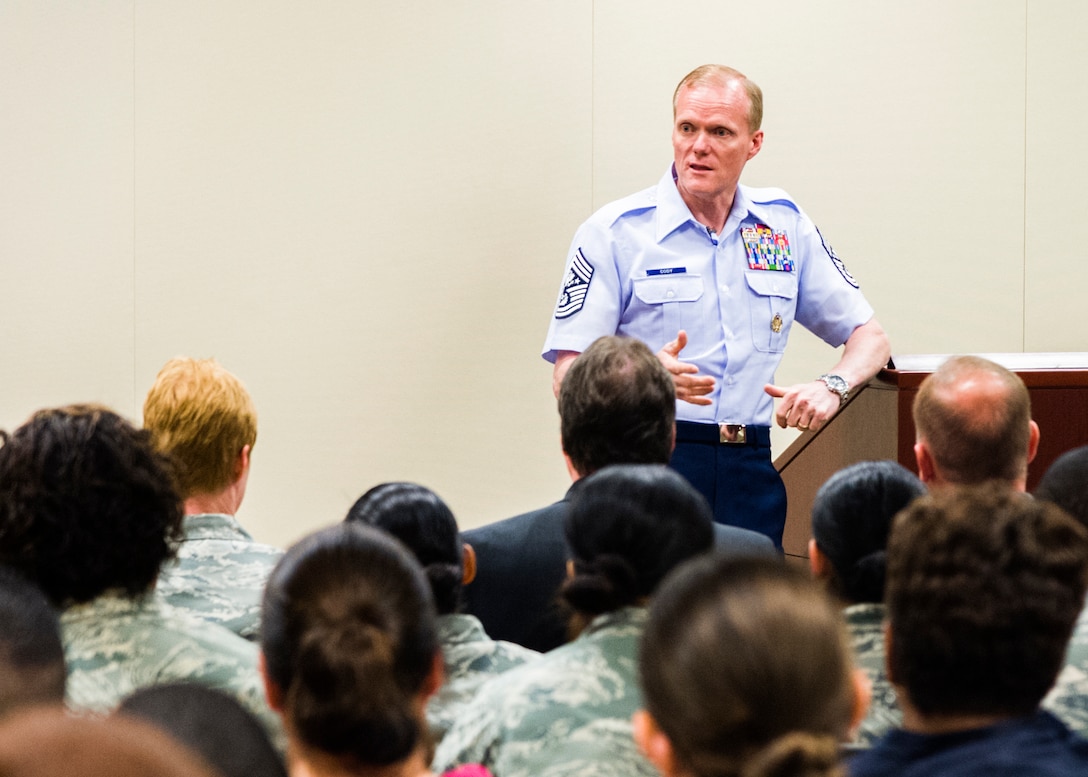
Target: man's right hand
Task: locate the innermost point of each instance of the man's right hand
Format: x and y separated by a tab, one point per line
690	387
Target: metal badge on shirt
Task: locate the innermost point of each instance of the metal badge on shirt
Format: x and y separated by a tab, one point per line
575	286
839	264
767	249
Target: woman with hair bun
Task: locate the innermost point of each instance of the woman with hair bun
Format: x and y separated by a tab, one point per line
350	655
419	518
851	517
569	711
746	672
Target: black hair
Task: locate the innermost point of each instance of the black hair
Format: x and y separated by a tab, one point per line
86	504
1065	483
851	517
349	638
211	723
32	667
627	527
419	518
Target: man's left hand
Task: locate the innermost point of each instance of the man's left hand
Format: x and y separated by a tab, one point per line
805	406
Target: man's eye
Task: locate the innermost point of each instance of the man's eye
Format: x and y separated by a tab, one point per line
721	132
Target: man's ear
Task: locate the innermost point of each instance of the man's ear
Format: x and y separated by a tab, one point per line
241	462
889	671
818	563
468	562
436	676
653	743
926	470
1033	442
272	692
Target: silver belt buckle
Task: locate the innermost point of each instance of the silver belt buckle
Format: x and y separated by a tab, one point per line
733	434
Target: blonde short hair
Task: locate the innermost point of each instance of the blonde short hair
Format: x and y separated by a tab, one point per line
201	416
720	75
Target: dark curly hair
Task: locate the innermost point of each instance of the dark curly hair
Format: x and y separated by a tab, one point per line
86	504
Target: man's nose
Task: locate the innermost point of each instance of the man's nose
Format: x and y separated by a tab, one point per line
702	143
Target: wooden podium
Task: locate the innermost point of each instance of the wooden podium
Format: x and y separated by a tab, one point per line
876	423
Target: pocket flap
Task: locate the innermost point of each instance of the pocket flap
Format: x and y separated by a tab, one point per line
669	288
768	283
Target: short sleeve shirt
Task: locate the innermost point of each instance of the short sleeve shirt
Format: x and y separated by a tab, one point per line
644	267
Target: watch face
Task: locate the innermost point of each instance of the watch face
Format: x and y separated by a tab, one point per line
836	383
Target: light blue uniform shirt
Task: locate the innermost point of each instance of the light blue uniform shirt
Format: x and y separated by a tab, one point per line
644	267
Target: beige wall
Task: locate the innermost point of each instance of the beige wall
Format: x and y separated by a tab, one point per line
363	209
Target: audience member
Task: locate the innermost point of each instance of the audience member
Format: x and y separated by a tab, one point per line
972	419
351	654
32	669
745	670
1065	483
425	524
211	724
618	407
47	742
984	586
89	512
569	712
851	517
204	419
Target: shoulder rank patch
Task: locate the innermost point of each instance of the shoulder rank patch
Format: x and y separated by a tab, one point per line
839	264
575	286
767	249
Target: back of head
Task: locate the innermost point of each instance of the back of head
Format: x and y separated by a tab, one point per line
202	416
1065	483
86	504
349	639
851	517
32	668
746	668
975	417
984	587
48	742
617	405
211	724
629	526
420	519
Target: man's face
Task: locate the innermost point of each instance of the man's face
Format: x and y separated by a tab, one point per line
711	140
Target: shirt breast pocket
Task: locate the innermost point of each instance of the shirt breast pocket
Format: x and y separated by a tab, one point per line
773	302
667	294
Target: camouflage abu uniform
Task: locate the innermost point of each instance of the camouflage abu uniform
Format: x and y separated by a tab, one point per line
219	574
566	714
114	645
865	622
470	658
1069	697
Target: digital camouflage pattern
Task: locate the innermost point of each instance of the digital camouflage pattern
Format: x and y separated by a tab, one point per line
1069	697
115	645
471	657
565	714
219	573
865	624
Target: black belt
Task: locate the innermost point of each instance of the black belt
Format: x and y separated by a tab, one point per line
724	434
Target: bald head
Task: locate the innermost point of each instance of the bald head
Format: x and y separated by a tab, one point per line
973	423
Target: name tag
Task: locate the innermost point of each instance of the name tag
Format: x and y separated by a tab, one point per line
667	271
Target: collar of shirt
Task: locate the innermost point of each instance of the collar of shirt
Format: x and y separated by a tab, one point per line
672	212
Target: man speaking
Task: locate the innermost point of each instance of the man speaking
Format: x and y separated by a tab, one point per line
712	275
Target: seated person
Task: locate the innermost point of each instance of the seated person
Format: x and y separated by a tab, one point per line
984	585
424	523
203	418
617	406
47	742
851	517
745	670
32	669
211	724
1065	483
569	712
88	511
350	654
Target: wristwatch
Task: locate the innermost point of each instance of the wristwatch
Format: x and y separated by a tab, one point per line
837	384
